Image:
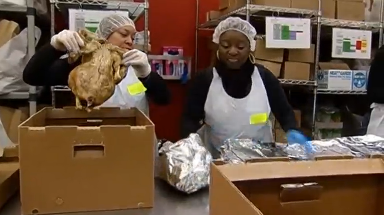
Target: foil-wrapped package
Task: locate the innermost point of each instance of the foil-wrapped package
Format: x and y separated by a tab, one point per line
242	150
356	146
366	145
185	164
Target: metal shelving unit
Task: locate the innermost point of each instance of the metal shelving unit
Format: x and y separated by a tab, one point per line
135	9
30	12
250	10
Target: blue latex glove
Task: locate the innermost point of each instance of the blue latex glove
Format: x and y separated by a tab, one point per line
294	136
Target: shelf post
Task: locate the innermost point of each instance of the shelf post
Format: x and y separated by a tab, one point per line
31	12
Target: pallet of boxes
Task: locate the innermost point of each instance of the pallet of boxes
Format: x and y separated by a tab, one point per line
74	161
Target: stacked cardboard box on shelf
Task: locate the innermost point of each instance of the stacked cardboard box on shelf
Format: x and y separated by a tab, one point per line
272	59
339	9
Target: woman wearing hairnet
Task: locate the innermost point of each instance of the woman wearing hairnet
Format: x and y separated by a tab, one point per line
48	68
237	96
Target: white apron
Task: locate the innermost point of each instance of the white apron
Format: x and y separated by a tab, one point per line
125	98
376	122
227	117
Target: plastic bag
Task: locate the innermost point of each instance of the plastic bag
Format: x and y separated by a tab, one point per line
13	58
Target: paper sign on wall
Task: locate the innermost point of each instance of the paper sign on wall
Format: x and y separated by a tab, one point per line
350	43
290	33
89	19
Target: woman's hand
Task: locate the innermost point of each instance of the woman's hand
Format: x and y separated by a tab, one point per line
294	136
67	41
139	61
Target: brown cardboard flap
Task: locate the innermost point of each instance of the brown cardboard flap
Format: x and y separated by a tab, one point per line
275	170
225	198
332	65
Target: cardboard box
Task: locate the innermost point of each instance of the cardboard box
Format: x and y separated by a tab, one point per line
8	30
348	10
141	47
102	160
338	76
280	136
328	7
297	117
271	66
340	186
302	55
229	5
263	53
213	15
296	71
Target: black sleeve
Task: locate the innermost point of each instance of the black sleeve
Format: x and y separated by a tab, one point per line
375	86
46	68
193	111
278	101
157	89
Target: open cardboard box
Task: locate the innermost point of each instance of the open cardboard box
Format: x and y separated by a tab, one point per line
280	187
74	161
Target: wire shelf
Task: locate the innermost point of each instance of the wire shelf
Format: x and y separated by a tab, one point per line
260	10
350	24
13	8
341	92
297	82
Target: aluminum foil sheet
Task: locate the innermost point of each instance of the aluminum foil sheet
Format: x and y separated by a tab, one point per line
185	164
241	150
357	146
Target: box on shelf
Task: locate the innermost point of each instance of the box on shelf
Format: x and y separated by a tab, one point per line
141	47
302	55
350	10
8	29
302	187
213	14
296	70
338	76
227	6
263	53
280	136
271	66
102	160
328	7
297	117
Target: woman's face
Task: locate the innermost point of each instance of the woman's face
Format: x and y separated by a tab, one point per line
234	49
123	37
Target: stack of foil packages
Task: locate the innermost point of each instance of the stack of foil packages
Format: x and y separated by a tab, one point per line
185	164
242	150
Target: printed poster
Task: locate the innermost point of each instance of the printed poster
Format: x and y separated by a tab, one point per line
89	19
351	43
289	33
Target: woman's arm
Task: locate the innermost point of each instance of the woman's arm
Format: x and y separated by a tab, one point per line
375	87
193	111
46	68
157	89
278	101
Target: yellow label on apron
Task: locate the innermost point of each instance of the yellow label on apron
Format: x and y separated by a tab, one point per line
258	118
136	88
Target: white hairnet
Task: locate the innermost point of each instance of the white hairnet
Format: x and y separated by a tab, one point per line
111	23
236	24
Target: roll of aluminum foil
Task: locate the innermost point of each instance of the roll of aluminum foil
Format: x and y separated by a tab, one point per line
185	164
242	150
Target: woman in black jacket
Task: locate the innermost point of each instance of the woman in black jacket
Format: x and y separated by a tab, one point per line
49	67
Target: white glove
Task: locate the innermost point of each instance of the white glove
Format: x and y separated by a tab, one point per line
67	41
139	61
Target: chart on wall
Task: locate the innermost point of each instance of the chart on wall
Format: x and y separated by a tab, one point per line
89	19
350	43
290	33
